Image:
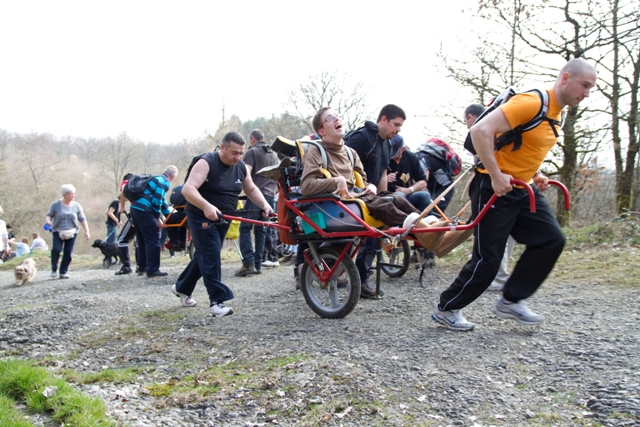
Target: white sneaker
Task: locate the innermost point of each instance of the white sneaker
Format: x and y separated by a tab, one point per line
495	286
219	310
451	319
518	311
186	300
64	276
268	263
409	219
54	274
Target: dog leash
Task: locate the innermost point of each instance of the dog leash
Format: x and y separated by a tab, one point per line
112	231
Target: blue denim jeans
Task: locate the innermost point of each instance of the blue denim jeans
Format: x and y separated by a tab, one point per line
420	199
111	233
208	238
64	246
249	256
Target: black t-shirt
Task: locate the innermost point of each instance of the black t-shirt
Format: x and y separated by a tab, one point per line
437	175
374	152
115	205
222	186
408	171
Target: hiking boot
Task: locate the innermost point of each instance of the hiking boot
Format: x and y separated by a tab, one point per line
124	270
246	270
451	319
186	300
268	263
369	292
518	311
219	310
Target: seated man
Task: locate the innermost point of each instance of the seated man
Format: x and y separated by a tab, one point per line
391	210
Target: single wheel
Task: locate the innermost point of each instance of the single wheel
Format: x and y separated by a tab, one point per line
395	258
336	297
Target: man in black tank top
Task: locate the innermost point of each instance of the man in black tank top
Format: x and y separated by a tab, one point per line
211	189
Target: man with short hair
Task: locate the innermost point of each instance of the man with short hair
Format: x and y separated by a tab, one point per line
211	189
391	209
113	221
147	214
509	215
372	144
258	156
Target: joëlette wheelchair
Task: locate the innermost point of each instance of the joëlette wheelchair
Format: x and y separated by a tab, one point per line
334	230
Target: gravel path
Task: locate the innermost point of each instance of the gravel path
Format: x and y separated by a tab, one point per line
274	362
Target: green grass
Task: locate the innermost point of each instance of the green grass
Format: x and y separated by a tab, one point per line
25	382
113	376
9	416
196	387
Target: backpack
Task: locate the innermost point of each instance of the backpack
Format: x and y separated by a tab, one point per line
443	151
370	130
135	186
176	198
514	136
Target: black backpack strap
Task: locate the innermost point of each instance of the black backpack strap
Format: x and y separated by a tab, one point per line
515	135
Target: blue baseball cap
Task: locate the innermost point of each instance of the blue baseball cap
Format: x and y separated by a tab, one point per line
397	142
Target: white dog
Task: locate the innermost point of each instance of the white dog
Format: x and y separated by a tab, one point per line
25	271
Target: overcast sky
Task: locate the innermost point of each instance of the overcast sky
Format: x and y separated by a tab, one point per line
161	71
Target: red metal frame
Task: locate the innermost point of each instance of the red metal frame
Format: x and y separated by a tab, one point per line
393	231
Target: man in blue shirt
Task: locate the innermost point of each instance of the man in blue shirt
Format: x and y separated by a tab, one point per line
147	219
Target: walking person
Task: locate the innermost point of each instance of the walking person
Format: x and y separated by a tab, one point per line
510	215
65	217
211	189
147	214
258	156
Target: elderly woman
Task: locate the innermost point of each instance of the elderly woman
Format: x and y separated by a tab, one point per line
65	217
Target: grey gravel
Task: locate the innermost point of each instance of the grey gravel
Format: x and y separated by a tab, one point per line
385	364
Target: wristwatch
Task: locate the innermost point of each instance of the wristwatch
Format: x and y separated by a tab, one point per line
411	189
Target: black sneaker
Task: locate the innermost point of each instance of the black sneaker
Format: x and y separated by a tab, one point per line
124	270
158	274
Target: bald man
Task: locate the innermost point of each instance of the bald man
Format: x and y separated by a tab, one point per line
539	231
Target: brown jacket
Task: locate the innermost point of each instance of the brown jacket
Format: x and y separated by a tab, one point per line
314	182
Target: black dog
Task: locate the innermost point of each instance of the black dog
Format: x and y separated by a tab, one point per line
109	250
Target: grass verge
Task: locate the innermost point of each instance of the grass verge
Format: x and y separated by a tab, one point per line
21	380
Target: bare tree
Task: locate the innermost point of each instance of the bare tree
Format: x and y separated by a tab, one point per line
116	157
34	152
328	89
87	148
